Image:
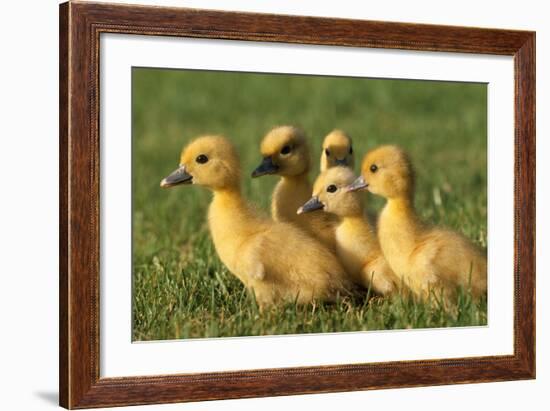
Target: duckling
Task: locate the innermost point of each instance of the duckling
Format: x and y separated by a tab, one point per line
356	243
337	150
428	258
286	153
276	260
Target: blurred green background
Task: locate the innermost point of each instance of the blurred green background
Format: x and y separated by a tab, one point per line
181	290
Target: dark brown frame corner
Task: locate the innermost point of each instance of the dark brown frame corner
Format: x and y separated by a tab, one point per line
81	24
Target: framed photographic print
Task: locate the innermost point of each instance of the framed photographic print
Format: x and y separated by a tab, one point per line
258	205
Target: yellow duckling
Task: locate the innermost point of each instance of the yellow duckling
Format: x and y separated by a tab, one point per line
356	243
278	261
337	151
428	258
286	153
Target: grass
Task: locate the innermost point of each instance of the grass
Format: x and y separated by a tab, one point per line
182	290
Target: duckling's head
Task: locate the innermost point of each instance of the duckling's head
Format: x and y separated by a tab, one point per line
386	171
210	161
337	150
330	194
285	152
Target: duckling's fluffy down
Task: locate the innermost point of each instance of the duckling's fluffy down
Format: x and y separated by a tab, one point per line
291	266
277	260
443	258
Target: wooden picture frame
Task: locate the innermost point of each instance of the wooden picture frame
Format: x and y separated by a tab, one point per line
80	27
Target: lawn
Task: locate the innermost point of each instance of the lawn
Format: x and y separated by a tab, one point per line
180	287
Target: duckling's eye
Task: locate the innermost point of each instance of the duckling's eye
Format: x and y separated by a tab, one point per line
327	152
373	168
201	159
351	150
332	188
285	150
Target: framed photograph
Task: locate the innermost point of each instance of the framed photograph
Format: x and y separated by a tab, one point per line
260	205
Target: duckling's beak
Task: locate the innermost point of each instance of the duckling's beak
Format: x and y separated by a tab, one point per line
311	205
342	162
358	184
266	167
180	176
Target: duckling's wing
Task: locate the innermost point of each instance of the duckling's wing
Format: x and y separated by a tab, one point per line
250	261
452	257
292	256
